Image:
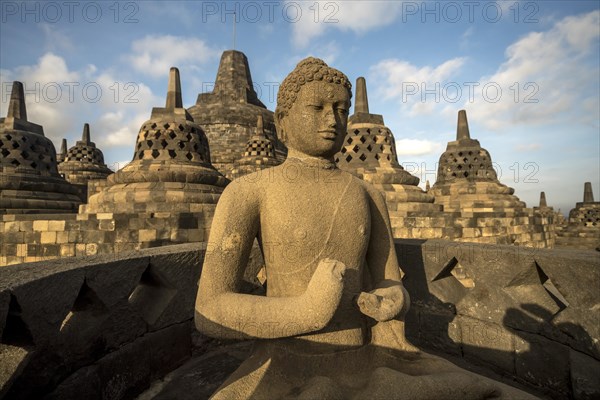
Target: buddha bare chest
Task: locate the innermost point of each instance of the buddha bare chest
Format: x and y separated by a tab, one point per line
306	220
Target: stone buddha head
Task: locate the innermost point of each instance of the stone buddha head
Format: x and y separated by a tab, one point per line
312	109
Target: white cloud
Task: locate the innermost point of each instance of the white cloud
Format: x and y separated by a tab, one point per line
549	67
401	80
55	39
154	55
61	100
527	147
417	147
357	16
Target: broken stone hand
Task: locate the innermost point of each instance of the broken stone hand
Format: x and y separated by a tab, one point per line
383	303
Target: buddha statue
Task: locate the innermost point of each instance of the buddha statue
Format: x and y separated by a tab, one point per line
331	323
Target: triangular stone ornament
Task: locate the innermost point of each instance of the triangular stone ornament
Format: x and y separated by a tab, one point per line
87	313
16	332
152	295
533	286
452	283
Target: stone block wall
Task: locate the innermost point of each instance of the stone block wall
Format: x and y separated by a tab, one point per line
105	327
30	238
523	312
99	327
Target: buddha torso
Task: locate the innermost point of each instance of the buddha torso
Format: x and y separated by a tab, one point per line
304	219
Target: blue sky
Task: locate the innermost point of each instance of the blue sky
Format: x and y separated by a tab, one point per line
526	72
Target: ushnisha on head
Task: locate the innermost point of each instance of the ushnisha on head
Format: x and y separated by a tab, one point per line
312	110
308	70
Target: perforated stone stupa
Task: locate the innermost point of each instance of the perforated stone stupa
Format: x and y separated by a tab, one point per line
369	152
29	178
83	162
171	168
583	228
467	183
228	114
259	154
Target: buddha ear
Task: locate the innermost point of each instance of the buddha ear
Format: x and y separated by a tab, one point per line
280	119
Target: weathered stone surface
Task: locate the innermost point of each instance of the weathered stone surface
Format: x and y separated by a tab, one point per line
467	183
583	228
228	115
82	163
30	181
13	360
585	371
542	362
314	315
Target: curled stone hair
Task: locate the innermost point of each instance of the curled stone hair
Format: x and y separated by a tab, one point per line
308	70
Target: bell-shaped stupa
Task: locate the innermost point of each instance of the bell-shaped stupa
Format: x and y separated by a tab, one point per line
369	152
259	154
467	183
228	114
583	228
83	162
171	168
29	178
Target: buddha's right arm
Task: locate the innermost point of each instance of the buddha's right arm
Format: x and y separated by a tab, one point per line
222	312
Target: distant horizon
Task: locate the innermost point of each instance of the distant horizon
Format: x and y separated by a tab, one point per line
526	73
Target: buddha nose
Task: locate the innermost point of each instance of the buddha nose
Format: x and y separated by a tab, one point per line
330	119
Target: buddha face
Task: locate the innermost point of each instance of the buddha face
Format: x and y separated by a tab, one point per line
316	123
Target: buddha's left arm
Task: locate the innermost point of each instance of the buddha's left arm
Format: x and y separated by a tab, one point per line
388	297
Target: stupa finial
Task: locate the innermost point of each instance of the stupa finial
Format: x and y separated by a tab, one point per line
85	137
16	107
462	128
174	97
588	195
362	101
260	126
63	147
543	200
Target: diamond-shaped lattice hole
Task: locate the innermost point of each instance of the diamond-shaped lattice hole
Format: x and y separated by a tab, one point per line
15	145
155	153
164	143
25	155
9	137
34	165
533	286
181	145
349	140
343	150
363	157
166	125
152	295
377	156
172	135
16	332
356	149
153	126
5	152
370	148
363	139
369	131
149	143
453	282
356	132
349	158
157	134
189	156
87	313
188	136
180	127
